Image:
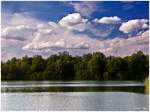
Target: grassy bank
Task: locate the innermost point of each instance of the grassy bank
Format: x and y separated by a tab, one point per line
147	86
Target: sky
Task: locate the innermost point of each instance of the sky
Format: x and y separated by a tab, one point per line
118	28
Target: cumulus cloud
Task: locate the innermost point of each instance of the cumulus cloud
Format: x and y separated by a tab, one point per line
68	40
84	8
73	21
145	34
45	38
58	45
108	20
18	26
19	19
11	48
124	47
20	32
21	26
102	32
117	46
134	25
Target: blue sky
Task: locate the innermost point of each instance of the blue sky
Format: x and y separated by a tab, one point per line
54	11
78	27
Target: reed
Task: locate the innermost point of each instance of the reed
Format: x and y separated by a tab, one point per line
147	85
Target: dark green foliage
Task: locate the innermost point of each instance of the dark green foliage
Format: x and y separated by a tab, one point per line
138	66
115	68
95	66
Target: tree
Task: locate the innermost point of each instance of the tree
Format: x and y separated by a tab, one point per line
38	65
12	70
112	69
81	71
96	66
91	66
138	66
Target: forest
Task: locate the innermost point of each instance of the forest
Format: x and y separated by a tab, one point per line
91	66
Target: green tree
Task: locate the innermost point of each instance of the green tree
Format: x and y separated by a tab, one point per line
96	66
138	66
81	71
91	66
38	66
112	68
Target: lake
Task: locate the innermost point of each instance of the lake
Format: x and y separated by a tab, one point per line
73	96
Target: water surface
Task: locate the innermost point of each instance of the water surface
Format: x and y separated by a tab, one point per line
73	96
72	86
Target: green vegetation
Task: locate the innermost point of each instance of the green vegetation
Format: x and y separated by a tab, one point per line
147	85
95	66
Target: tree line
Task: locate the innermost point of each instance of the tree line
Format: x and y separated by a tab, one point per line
91	66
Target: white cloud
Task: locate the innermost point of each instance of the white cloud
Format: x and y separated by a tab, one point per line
11	48
85	8
145	34
21	26
68	40
134	25
108	20
19	19
116	46
20	32
124	47
101	32
58	45
46	38
73	21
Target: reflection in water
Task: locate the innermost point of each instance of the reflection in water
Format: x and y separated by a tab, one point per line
72	86
137	89
73	95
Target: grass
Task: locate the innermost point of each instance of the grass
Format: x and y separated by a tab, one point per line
147	86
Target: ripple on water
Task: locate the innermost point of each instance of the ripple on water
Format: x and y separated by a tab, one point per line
111	101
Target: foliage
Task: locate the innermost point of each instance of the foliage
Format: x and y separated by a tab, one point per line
92	66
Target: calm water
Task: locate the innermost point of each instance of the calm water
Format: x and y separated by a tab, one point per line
73	95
